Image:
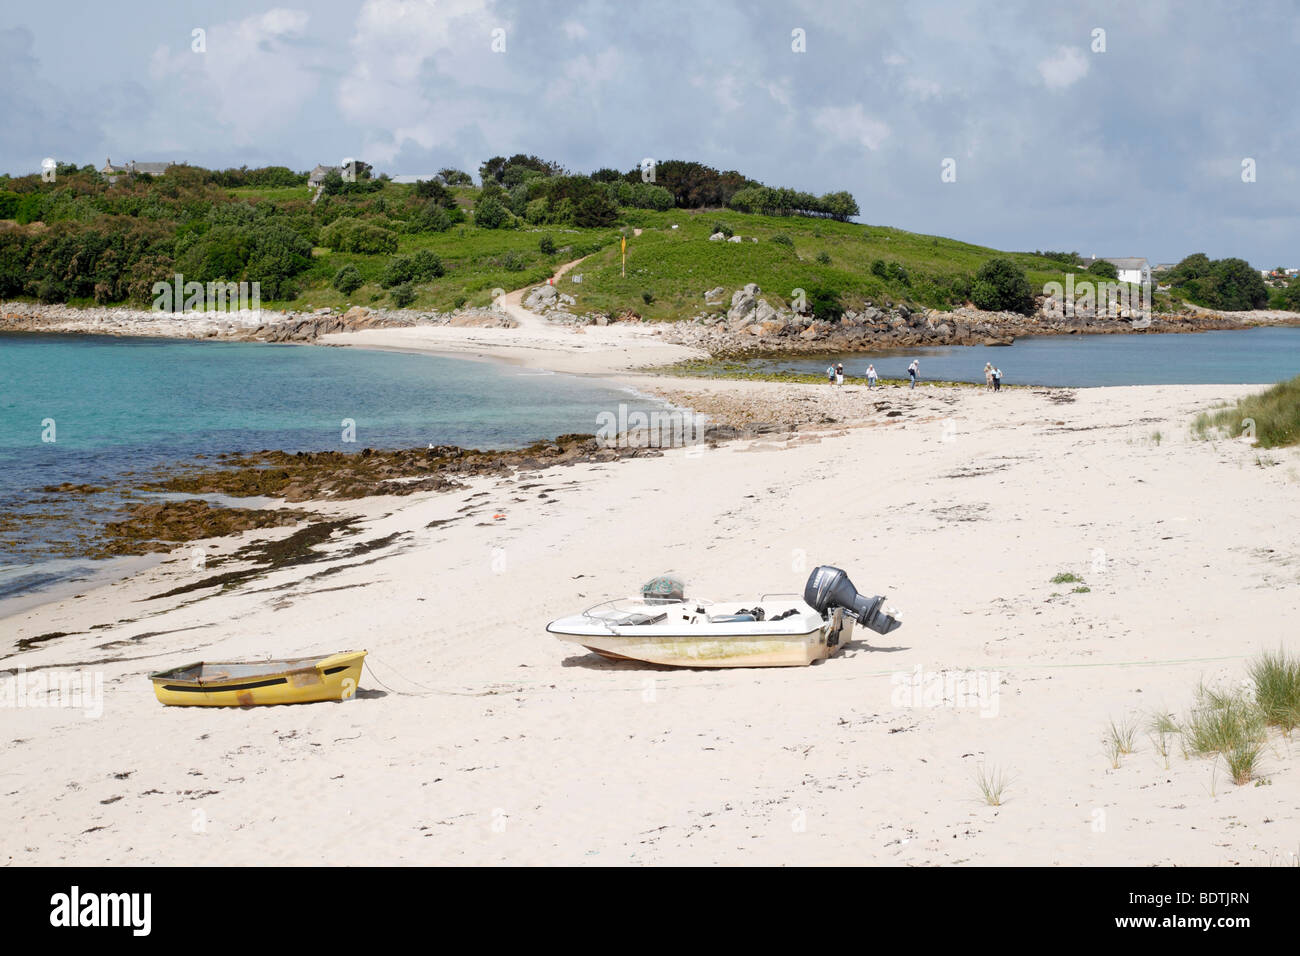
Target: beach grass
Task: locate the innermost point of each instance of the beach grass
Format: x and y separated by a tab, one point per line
992	783
1276	677
1161	728
1228	724
1067	577
1272	416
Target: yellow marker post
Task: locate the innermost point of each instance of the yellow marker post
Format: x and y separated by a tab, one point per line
625	257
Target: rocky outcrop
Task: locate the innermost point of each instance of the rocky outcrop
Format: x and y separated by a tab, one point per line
751	324
263	325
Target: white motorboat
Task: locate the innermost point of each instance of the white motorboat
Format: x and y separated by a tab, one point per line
778	630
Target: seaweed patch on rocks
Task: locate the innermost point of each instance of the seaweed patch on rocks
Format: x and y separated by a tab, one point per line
160	527
335	476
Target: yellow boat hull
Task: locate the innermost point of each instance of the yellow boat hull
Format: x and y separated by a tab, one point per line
295	681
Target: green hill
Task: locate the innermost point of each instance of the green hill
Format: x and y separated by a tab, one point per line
83	241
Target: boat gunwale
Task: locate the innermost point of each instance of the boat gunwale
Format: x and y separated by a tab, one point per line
309	664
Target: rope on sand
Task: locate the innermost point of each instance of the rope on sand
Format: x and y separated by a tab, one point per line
425	691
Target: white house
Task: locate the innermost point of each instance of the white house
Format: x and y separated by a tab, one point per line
1135	269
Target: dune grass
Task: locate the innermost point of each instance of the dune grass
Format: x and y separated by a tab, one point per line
1229	725
992	783
1274	416
1277	689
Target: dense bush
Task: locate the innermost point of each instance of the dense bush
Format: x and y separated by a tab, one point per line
1002	286
1228	284
352	235
347	280
402	295
491	213
694	185
824	303
789	202
547	246
782	239
455	177
1107	270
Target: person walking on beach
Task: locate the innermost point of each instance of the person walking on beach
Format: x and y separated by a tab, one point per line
988	375
871	376
839	373
997	380
913	370
830	374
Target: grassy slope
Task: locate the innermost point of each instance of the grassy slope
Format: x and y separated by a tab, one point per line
675	266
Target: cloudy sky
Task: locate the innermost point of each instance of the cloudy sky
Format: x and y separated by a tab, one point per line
1129	141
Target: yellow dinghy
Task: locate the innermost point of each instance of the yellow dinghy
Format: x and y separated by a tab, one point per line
300	680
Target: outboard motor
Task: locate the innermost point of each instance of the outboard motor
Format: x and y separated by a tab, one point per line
829	588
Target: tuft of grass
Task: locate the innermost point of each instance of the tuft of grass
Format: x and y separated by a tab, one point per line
1242	762
1160	728
1274	414
1223	722
1276	676
1119	739
992	783
1066	577
1157	437
1081	589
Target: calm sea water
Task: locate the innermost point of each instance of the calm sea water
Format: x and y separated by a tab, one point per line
123	406
1248	356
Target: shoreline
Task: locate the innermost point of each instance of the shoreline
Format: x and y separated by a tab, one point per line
962	525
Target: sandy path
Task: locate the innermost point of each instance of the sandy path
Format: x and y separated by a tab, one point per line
962	508
535	343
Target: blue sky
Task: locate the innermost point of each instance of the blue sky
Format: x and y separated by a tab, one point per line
1136	150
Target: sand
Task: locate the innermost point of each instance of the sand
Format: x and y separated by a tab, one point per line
534	343
490	742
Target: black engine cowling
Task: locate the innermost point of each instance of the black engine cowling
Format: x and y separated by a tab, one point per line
829	588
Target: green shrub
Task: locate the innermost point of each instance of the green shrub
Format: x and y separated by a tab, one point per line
425	266
1002	286
547	246
647	296
824	258
402	295
491	213
512	262
723	228
347	280
782	239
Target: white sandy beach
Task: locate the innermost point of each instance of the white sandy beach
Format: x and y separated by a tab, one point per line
491	742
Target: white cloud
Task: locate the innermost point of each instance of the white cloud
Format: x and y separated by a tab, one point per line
261	53
1065	68
418	73
850	124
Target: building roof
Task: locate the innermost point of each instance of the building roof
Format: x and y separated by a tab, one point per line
1119	262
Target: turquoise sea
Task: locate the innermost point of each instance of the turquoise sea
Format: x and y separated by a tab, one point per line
120	406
